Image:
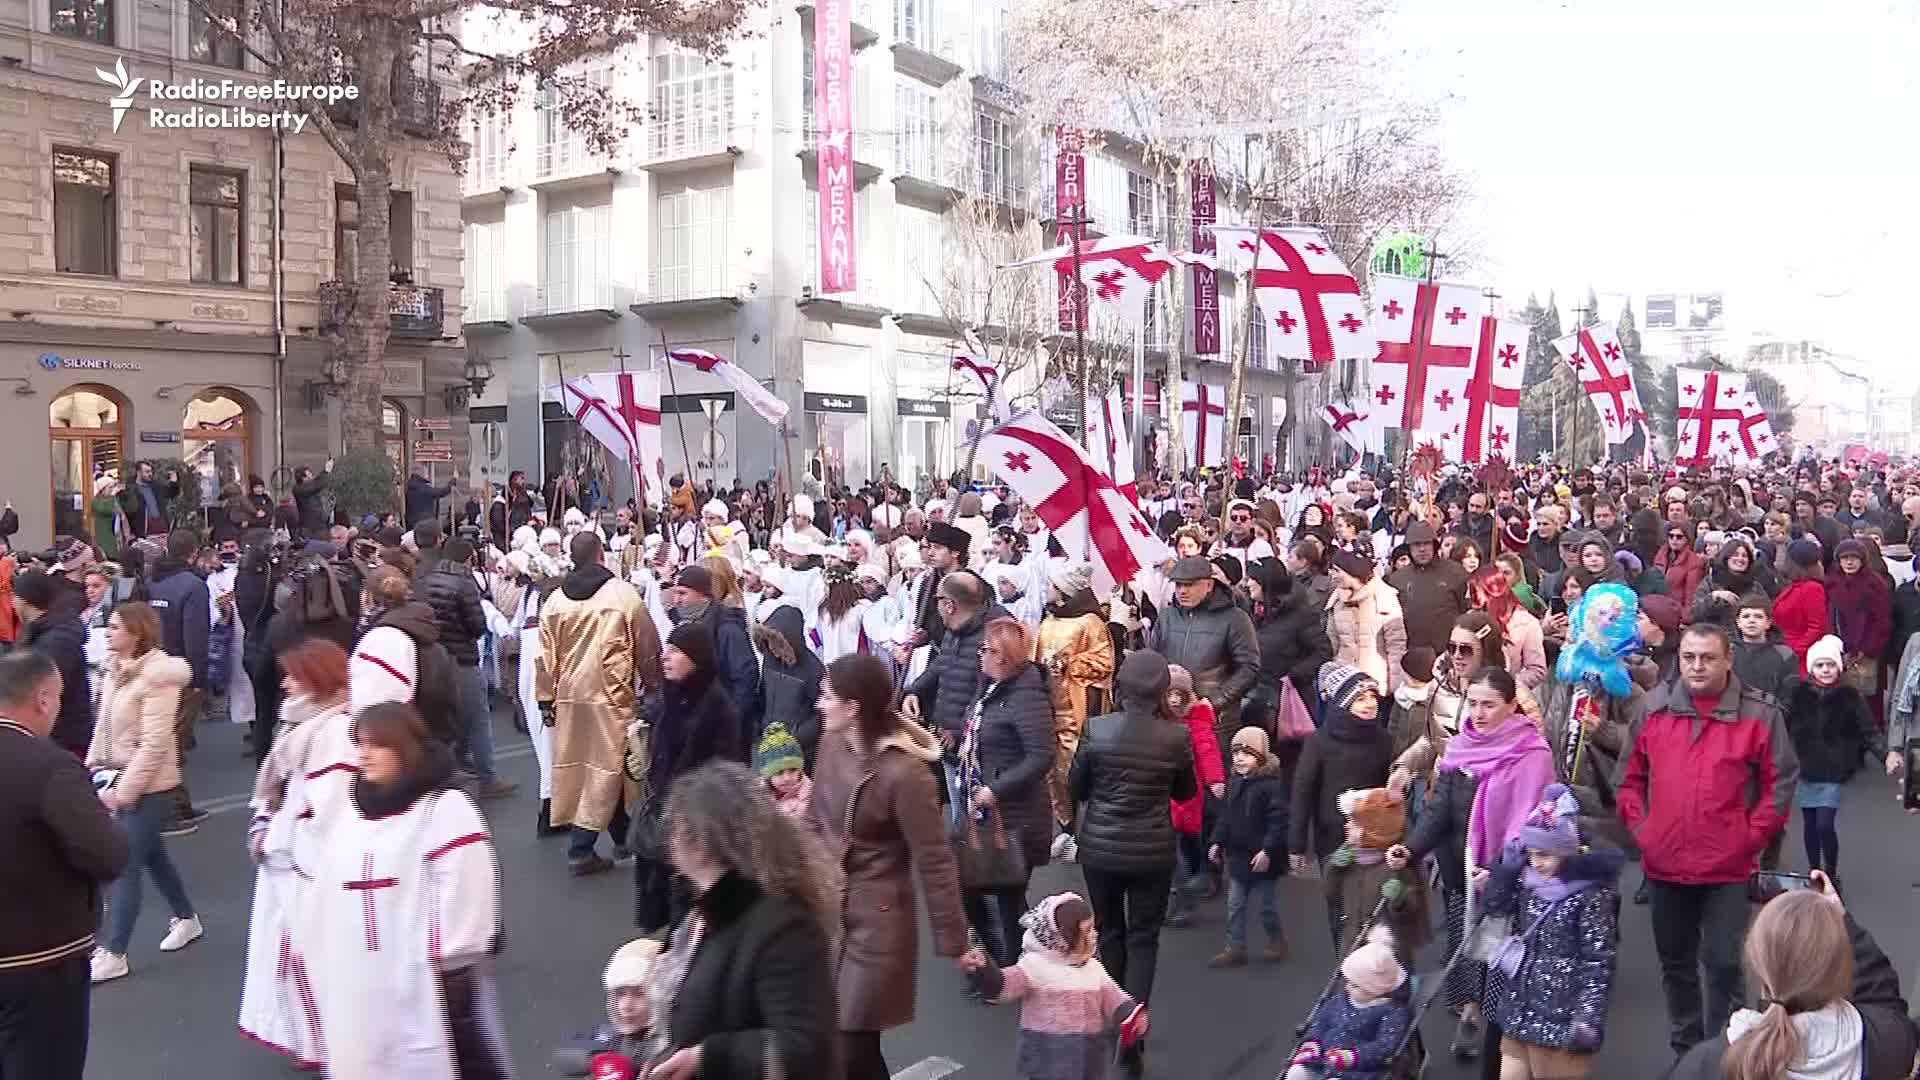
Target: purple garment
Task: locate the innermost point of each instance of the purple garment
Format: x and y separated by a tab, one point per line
1511	765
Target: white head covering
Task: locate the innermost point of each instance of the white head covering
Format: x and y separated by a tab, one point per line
525	538
549	536
716	508
860	536
872	573
1068	577
518	561
803	505
573	520
385	667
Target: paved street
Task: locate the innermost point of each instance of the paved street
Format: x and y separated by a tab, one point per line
173	1018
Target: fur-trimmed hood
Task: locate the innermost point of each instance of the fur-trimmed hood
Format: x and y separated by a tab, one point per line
913	739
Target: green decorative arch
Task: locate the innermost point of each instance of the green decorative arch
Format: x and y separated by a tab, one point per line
1402	253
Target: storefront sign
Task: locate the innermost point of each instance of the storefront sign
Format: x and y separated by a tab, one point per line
840	403
912	407
833	141
1204	286
56	362
219	312
433	423
402	378
159	436
1069	199
432	450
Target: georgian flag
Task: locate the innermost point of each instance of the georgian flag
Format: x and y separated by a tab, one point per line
1709	411
1107	441
750	389
621	410
1118	273
1756	430
1428	332
1087	513
1594	354
1311	303
988	377
1203	424
1355	425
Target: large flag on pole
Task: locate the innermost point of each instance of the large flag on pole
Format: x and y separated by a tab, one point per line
750	389
1118	273
1594	354
1204	424
1107	441
1356	426
1428	332
1756	430
1308	297
621	410
988	377
1708	408
1087	513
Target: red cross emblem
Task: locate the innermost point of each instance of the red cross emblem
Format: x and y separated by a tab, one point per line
1351	324
1108	283
1285	322
1384	395
1019	462
365	887
1483	393
1444	399
1612	350
1316	249
1499	438
1616	384
1456	316
1508	355
1419	359
1703	415
1392	309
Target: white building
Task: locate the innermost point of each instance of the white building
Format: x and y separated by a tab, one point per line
1833	401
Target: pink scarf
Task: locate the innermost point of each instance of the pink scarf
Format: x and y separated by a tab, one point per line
1512	765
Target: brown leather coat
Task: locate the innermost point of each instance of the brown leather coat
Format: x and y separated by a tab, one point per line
881	815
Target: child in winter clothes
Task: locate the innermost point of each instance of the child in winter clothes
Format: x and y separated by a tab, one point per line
1189	816
1829	725
1548	985
629	1013
1359	877
778	760
1250	842
1071	1001
1356	1031
1759	659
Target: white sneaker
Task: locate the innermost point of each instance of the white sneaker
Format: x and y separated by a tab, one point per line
108	966
181	933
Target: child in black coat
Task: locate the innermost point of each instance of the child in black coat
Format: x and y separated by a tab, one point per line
1828	723
1250	843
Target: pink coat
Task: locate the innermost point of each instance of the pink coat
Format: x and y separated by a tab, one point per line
1207	766
1526	649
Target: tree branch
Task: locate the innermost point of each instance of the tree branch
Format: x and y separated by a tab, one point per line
277	33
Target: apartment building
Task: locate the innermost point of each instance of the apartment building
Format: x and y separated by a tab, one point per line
701	231
139	272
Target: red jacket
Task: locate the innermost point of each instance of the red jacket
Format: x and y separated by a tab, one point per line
1800	611
1702	796
1683	576
1207	767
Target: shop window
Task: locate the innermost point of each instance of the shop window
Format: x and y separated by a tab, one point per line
216	441
217	203
86	427
393	431
88	20
83	212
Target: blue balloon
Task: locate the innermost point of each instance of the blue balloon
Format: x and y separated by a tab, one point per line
1603	629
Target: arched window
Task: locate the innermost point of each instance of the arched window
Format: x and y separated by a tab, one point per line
216	441
86	426
393	428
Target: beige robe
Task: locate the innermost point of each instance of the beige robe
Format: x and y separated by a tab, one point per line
593	652
1078	654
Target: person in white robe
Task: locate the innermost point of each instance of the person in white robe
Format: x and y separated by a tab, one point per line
839	622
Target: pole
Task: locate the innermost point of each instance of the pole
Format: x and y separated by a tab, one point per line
639	473
1580	315
1237	378
1078	224
679	420
1421	332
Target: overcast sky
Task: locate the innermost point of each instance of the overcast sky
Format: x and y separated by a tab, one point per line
1763	149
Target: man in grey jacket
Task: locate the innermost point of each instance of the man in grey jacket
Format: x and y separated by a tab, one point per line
1204	631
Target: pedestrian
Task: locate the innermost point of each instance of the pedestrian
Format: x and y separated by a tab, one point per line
1705	785
1071	1001
597	645
876	802
180	599
389	603
1293	641
1832	732
1365	622
698	596
136	759
1759	659
50	624
1357	1029
1204	631
1801	610
1077	651
776	758
1363	886
422	498
1127	770
402	922
1549	985
1192	874
1431	592
1250	842
630	1018
1861	599
448	587
309	489
62	848
1684	568
1523	642
790	677
1351	751
951	683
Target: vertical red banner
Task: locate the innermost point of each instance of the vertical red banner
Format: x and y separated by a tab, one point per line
1204	287
1069	195
833	142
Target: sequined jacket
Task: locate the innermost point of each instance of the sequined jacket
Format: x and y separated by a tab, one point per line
1558	997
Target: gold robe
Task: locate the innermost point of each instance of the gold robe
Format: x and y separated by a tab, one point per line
1078	653
593	652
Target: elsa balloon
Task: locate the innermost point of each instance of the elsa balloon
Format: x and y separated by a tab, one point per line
1602	630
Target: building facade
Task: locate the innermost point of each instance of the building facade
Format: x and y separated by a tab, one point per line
139	269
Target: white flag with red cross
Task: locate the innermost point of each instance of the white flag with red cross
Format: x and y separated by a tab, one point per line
1708	408
1310	302
1594	354
621	410
1428	331
1355	425
750	389
988	377
1203	424
1756	430
1107	440
1090	517
1117	272
1492	421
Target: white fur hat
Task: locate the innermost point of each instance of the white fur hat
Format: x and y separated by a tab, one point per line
549	536
1827	648
632	963
525	538
872	573
716	508
573	516
803	505
1068	577
385	667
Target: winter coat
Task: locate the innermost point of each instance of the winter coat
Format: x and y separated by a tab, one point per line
1591	778
135	507
1343	755
952	681
1862	607
1355	890
59	637
1758	579
423	500
449	589
1558	997
309	498
1369	629
1372	1032
1703	796
790	677
735	663
1129	766
757	998
139	703
1767	666
881	815
1831	731
1684	573
1543	555
179	596
1441	828
1801	613
1430	598
1014	747
1293	641
1525	648
1209	768
1216	642
1252	819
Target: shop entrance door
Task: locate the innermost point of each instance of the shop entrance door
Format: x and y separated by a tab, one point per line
86	441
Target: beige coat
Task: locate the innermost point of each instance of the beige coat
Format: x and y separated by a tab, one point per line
597	656
1078	654
1368	630
139	703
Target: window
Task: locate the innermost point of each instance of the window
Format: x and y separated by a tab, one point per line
216	441
692	105
915	146
83	213
1147	206
992	39
923	264
486	278
1107	183
215	195
208	39
492	141
346	233
997	174
913	23
562	149
579	249
89	20
691	249
84	427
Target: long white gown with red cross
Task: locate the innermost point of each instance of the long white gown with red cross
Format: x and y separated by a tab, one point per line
393	904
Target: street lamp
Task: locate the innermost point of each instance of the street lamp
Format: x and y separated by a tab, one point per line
477	371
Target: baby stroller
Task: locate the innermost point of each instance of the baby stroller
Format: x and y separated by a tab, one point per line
1410	1060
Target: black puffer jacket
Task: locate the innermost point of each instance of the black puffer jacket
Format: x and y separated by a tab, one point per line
1215	642
789	679
1344	755
1130	765
1293	641
952	681
58	636
1015	752
1442	827
449	589
1830	730
735	663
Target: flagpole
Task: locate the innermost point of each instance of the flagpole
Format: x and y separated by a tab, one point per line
639	473
1078	224
1573	420
1420	335
679	420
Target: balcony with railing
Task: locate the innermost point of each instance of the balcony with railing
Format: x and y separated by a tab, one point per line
869	150
688	284
920	47
591	298
413	311
486	310
562	155
416	103
865	19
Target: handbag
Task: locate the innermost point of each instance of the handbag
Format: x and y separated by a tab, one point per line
1293	720
992	861
1501	950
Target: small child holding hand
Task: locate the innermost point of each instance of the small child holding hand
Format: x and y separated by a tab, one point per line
778	760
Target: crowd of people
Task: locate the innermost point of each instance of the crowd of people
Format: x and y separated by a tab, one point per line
800	719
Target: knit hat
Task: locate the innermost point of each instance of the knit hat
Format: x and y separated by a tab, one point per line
1852	547
1254	739
1068	577
1142	676
385	667
1351	563
550	537
802	506
716	508
1417	662
1372	969
1229	568
1341	682
694	639
1042	925
1382	817
1804	552
1513	533
697	578
1630	563
1553	826
951	537
35	587
632	963
1827	648
777	752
